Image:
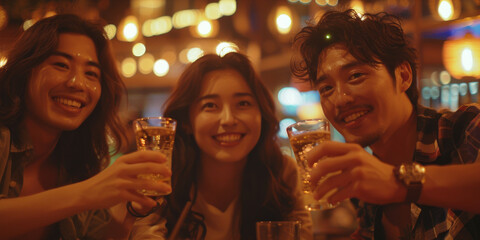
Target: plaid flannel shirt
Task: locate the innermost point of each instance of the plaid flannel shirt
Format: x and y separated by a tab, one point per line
442	138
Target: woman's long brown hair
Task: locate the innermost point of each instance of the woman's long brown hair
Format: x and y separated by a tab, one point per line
264	194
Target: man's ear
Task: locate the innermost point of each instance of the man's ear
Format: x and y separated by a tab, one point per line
403	76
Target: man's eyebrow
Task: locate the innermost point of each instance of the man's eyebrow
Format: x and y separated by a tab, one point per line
70	57
348	65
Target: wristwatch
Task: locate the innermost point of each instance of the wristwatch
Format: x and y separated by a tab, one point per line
412	175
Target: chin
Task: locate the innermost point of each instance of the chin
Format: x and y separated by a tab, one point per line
229	158
68	126
363	141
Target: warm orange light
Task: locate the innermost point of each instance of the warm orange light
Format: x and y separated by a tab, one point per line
445	10
461	56
128	29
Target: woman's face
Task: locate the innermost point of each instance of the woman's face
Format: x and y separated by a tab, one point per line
65	88
225	118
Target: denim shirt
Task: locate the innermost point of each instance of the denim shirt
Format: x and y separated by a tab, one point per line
84	225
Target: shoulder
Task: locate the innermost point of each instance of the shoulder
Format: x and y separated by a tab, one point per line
466	118
460	131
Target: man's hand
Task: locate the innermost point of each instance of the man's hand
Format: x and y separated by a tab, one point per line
363	176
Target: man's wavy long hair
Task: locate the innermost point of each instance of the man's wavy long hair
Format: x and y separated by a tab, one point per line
264	195
84	151
370	38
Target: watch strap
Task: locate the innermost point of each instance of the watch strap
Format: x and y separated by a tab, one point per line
413	192
414	188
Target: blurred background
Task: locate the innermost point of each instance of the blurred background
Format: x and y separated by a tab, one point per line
154	40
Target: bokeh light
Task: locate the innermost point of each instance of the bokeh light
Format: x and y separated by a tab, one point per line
139	49
185	18
204	28
227	7
289	96
310	111
111	30
27	24
194	53
445	9
284	123
212	11
225	47
161	67
445	77
3	61
129	67
145	63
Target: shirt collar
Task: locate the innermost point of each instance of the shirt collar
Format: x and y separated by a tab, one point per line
427	149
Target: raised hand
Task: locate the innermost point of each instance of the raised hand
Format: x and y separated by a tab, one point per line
363	176
119	183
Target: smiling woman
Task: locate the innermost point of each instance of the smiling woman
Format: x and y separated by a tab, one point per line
226	162
59	99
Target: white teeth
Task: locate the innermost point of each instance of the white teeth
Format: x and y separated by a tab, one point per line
68	102
228	137
354	116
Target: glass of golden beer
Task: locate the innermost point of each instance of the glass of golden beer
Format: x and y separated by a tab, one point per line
155	134
304	136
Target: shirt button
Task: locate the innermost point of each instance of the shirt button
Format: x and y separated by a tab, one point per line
13	184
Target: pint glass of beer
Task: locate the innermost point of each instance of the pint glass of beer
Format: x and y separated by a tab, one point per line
156	134
305	135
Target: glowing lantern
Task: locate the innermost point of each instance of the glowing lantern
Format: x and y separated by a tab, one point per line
461	57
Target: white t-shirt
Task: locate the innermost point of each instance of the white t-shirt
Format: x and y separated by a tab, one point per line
220	225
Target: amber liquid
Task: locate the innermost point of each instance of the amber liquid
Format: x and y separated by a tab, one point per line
301	145
158	139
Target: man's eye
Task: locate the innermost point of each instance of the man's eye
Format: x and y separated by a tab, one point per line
325	90
356	75
93	74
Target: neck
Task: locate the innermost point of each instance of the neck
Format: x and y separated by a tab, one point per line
220	182
43	140
399	146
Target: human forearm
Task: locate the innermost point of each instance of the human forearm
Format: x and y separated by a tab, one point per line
453	186
23	214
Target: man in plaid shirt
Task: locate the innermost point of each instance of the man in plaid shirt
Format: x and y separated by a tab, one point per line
423	179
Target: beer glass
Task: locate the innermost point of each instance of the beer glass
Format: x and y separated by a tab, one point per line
278	230
156	134
305	135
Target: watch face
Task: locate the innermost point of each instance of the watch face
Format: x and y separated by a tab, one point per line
413	173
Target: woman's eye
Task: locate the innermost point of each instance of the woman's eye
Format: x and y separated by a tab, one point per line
209	105
60	65
244	103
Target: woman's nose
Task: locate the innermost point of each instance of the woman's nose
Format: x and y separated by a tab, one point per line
227	116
